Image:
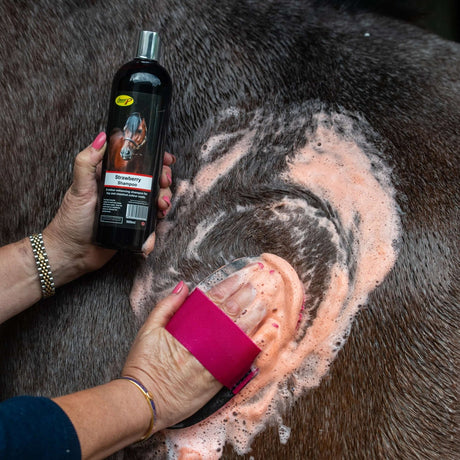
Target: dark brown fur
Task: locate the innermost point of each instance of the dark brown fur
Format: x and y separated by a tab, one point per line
392	391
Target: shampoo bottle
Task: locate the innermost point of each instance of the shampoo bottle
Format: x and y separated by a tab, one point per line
132	165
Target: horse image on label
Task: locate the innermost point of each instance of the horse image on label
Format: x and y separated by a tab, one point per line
127	147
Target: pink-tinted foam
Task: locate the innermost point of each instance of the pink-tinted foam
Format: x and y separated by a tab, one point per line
357	186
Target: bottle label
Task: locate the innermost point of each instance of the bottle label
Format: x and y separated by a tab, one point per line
133	160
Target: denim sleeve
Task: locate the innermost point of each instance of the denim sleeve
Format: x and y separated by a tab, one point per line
36	428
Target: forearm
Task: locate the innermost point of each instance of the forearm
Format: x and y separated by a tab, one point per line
107	418
19	280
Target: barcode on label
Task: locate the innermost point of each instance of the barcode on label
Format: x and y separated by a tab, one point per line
137	212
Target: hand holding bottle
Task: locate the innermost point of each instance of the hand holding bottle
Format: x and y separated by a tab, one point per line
68	238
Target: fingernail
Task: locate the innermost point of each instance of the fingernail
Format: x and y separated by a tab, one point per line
166	198
169	178
174	159
178	288
99	141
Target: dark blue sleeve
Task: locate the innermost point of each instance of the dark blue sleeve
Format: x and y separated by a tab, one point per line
36	428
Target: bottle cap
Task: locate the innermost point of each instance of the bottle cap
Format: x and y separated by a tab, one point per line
148	45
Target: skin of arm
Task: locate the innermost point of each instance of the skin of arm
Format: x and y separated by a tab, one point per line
107	417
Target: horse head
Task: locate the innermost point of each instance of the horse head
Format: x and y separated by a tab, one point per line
134	135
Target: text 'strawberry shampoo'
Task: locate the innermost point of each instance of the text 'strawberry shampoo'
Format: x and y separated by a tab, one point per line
132	165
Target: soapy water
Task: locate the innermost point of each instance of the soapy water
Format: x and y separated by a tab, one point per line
304	331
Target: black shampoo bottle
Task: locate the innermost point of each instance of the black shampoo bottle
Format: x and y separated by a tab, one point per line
137	123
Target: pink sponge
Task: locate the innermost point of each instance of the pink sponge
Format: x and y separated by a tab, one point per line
215	340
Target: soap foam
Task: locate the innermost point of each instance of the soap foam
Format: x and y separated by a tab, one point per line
340	168
215	170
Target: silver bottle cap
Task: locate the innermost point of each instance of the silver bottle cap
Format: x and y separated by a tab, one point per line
148	45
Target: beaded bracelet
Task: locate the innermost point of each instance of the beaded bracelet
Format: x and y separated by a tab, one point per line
43	265
149	399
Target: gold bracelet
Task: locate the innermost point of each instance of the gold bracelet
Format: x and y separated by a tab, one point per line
149	399
43	265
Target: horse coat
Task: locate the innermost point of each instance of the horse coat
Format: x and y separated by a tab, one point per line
319	134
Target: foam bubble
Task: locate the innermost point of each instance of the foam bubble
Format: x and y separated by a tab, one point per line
284	433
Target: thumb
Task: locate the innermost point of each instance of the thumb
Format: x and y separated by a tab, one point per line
166	308
86	162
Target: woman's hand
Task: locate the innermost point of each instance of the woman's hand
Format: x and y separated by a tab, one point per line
180	385
116	414
68	237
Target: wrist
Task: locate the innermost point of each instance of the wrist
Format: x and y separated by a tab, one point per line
138	406
42	263
65	264
19	280
142	390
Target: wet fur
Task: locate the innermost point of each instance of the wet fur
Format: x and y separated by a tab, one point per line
392	389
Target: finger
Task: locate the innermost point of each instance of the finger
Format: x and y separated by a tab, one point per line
99	170
250	319
85	167
169	159
164	200
165	309
166	177
221	291
239	301
164	204
148	245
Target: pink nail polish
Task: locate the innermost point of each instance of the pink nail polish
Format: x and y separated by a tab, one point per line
178	288
166	198
99	141
169	178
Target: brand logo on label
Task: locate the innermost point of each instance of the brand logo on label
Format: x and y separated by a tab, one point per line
124	100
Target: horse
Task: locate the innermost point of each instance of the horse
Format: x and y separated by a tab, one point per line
126	148
327	135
